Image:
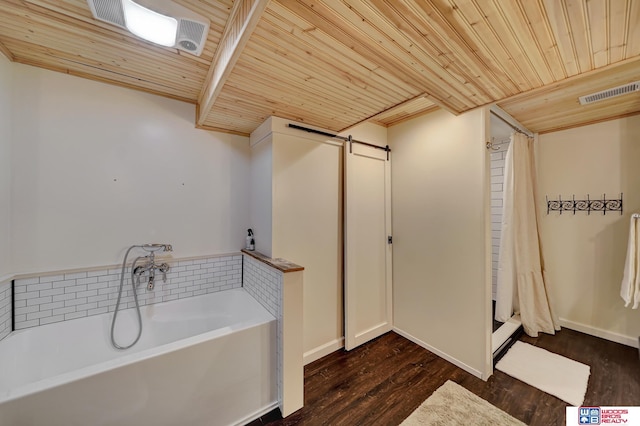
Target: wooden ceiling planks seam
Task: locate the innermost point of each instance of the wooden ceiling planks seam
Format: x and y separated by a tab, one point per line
407	110
427	61
540	27
618	12
597	22
632	45
334	63
443	36
312	46
398	63
473	27
430	51
6	52
320	92
337	74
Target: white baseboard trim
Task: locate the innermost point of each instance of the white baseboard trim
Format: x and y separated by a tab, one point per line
441	354
599	332
256	415
322	350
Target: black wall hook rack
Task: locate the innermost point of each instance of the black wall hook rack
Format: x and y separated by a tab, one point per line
598	205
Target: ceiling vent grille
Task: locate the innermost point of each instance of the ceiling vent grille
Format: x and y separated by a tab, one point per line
109	11
610	93
192	27
191	35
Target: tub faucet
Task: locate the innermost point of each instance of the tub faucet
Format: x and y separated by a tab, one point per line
150	267
152	277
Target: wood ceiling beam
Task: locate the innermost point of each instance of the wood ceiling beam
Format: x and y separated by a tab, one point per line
6	52
243	19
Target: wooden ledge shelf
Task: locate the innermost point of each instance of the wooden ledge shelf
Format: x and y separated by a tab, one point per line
282	265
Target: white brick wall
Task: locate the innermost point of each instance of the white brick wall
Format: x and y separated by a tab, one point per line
264	283
5	309
53	298
497	180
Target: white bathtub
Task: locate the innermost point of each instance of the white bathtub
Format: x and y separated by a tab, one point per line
205	360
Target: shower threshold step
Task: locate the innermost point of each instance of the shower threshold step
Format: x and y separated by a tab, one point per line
505	331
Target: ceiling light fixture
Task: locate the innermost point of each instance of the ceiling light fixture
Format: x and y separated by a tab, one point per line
162	22
150	25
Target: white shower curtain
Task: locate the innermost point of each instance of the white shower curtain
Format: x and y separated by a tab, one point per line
521	284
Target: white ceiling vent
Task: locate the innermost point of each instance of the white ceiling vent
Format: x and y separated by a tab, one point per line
192	28
610	93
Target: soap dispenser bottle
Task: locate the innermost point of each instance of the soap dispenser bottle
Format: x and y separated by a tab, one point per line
250	242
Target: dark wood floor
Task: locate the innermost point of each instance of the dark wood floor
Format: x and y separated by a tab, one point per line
383	381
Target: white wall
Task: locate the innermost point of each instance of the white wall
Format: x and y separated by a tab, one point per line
6	115
97	168
585	254
441	267
368	132
261	204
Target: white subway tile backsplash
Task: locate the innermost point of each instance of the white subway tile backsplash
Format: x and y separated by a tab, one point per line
75	275
66	296
75	315
51	278
83	281
52	305
38	287
65	310
39	300
497	185
62	297
29	281
265	285
52	319
38	315
27	324
27	310
52	292
26	295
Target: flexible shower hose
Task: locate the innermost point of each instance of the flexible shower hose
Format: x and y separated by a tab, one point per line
135	298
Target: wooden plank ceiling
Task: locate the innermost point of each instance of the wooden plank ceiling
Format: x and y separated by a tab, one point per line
336	63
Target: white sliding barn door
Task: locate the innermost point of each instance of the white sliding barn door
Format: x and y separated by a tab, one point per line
367	201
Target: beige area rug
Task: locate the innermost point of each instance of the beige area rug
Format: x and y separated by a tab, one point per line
552	373
453	405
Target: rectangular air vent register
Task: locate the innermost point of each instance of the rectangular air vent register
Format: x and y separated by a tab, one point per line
161	22
610	93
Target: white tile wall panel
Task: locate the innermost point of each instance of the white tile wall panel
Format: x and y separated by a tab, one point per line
53	298
5	309
265	283
497	183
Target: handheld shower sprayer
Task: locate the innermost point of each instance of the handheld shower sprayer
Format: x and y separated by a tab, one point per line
136	271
